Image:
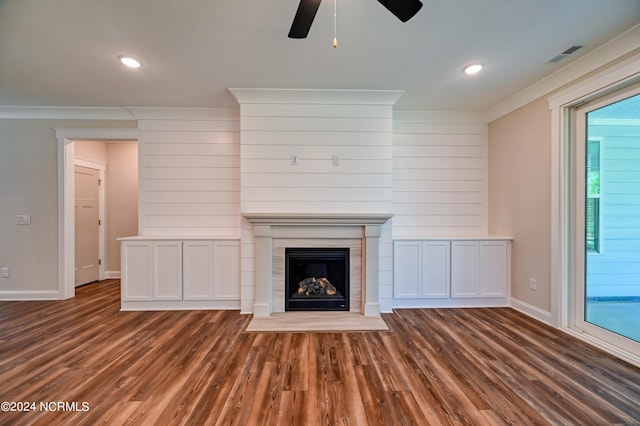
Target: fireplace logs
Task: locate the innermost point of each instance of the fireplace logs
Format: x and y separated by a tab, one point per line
319	287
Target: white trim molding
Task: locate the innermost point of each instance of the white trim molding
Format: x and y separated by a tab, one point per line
116	113
532	311
112	275
563	263
267	227
66	226
609	52
440	117
64	113
561	105
316	96
15	295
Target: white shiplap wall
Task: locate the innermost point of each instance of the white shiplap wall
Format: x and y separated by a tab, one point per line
190	175
439	174
428	169
315	126
359	136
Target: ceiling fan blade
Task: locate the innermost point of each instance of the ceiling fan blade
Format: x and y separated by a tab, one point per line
304	18
403	9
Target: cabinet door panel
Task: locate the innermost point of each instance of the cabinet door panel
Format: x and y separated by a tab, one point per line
492	268
198	270
464	268
435	269
167	270
136	271
407	265
226	270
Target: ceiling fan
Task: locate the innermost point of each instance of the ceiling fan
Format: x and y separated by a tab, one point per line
403	9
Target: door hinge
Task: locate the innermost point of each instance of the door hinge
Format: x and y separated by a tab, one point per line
99	182
99	261
99	222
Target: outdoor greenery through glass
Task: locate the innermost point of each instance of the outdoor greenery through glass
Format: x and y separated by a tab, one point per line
592	227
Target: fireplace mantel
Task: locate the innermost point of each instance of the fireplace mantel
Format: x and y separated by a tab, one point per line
316	219
304	226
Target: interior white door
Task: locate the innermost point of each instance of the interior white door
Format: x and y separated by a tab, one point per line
87	225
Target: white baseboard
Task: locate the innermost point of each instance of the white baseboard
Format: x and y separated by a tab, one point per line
14	295
532	311
472	302
180	305
111	275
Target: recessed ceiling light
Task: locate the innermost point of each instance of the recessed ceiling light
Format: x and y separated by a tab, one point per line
473	69
130	62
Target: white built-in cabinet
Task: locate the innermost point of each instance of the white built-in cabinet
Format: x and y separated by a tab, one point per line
422	269
457	272
180	274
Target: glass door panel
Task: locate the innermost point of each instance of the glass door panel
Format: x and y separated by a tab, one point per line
612	218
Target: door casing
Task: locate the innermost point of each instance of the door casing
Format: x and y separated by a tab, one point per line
66	192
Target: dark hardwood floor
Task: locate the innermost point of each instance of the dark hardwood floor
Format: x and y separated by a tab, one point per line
434	366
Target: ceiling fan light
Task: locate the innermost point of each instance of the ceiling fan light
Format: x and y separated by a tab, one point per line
129	61
473	69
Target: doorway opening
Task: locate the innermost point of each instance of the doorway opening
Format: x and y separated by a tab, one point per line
605	242
610	185
66	201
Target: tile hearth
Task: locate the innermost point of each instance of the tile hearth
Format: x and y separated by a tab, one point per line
316	322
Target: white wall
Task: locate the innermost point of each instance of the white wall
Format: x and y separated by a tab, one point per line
122	199
428	169
190	176
29	185
439	174
358	135
520	201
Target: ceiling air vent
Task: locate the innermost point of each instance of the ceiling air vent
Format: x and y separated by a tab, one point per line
562	55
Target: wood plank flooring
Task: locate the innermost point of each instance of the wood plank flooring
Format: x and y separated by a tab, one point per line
434	366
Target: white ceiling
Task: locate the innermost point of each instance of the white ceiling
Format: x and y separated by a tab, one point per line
64	52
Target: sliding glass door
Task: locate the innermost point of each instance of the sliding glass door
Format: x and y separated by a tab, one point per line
608	219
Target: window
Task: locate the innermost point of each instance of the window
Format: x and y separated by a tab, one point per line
592	217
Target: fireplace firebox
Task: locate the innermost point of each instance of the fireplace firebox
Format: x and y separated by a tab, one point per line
317	279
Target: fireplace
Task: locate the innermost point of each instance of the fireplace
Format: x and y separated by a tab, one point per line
317	279
274	232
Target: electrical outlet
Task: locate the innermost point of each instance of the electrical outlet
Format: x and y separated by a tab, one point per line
23	219
533	285
294	160
5	272
335	160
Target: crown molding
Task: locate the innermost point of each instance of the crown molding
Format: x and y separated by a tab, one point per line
107	133
119	113
440	117
64	113
623	73
609	52
316	96
206	114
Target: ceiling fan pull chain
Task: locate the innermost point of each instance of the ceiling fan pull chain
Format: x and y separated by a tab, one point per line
335	26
